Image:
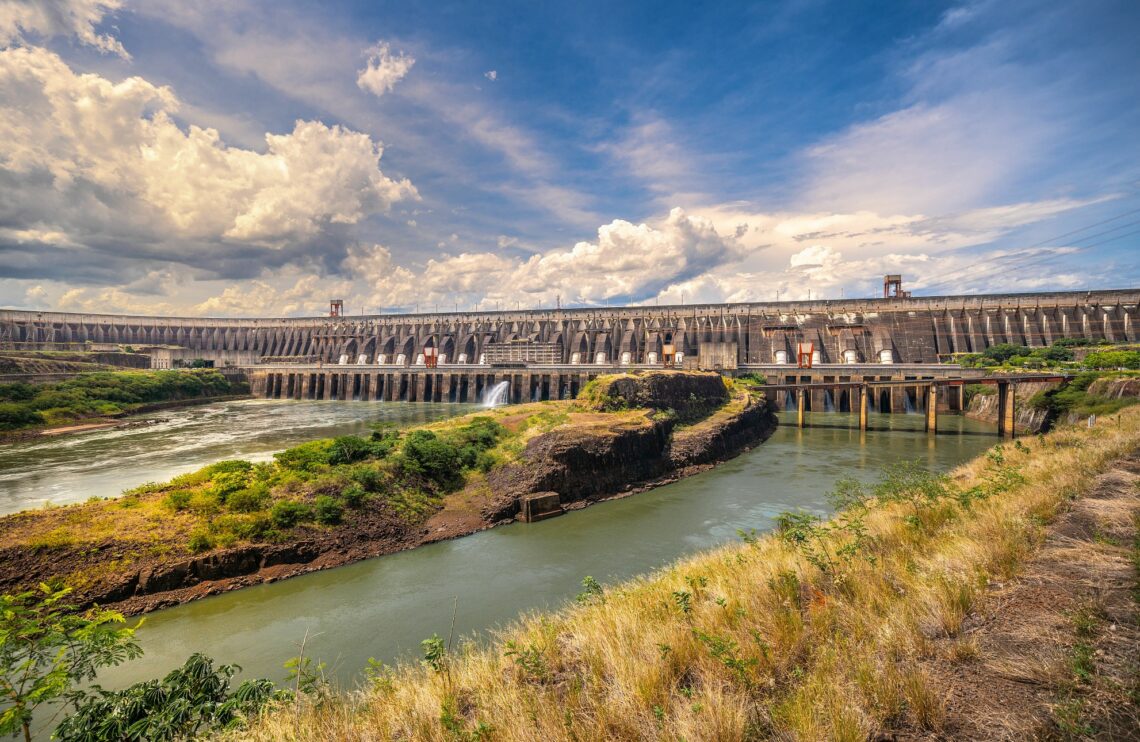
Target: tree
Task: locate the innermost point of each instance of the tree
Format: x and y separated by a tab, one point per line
190	701
46	647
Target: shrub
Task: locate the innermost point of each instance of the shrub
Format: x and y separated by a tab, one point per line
204	503
432	457
327	511
229	466
227	483
14	415
186	704
369	478
1004	351
1107	359
249	500
178	499
288	513
18	392
310	456
200	540
348	449
354	496
1055	353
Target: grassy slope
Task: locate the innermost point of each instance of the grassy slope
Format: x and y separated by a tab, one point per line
749	640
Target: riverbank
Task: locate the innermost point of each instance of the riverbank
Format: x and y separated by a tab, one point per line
892	620
333	502
101	398
117	421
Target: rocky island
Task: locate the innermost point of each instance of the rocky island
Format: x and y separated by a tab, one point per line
332	502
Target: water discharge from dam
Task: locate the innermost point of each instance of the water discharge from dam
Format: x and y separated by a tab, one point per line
497	394
384	607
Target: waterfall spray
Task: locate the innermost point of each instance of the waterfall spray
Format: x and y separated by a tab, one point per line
497	394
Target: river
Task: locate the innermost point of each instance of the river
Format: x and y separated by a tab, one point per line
384	607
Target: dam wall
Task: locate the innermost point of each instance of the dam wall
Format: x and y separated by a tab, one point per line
859	331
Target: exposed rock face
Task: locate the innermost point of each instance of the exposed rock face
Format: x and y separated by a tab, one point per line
591	463
1116	388
689	395
984	407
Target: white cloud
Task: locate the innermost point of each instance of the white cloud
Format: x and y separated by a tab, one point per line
47	18
383	69
491	75
91	155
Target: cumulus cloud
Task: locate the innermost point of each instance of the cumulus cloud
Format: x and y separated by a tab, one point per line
383	69
491	75
77	18
89	162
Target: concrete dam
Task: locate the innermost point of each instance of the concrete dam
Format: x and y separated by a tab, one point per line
550	353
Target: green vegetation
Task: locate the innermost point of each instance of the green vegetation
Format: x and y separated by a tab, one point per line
826	629
1074	397
189	702
400	477
320	482
1059	355
46	647
104	394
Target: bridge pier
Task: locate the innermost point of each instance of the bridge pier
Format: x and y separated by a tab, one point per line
1006	414
801	405
864	400
932	408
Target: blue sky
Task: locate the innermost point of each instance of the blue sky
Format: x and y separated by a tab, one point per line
246	158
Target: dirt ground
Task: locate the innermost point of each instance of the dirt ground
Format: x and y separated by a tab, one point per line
1055	653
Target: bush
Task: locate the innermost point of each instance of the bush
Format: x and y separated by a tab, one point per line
288	513
327	511
188	703
178	499
311	456
18	392
249	500
200	540
1004	351
1108	359
227	483
368	477
348	449
1055	353
354	496
428	455
14	415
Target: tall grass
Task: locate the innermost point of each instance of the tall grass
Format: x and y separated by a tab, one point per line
765	638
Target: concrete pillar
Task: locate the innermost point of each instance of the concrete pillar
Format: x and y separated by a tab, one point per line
801	411
1006	416
932	408
864	401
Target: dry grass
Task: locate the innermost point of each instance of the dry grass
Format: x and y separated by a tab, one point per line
746	641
